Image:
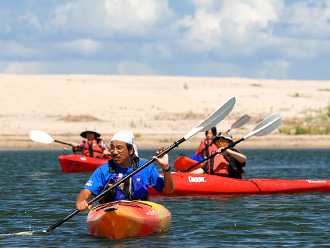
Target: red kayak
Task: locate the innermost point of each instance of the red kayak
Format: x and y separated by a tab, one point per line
80	163
188	183
77	163
181	163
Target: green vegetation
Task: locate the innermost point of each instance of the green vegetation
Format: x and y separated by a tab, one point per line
316	122
327	112
313	130
185	86
256	85
323	89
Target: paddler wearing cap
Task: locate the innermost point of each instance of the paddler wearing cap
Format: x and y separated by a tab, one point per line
124	159
94	146
228	163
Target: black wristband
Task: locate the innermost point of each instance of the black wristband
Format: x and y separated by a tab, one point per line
169	168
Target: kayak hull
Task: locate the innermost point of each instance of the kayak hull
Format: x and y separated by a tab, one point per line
121	219
79	163
188	183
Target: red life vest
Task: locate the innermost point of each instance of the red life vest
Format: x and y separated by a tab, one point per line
92	149
218	165
206	148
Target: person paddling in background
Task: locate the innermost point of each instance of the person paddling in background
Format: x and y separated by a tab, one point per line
93	146
228	163
207	146
124	160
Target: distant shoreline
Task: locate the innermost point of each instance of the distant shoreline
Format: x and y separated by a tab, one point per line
272	141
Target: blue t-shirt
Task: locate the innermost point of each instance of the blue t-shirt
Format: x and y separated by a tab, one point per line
101	176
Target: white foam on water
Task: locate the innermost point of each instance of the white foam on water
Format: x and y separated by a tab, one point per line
17	234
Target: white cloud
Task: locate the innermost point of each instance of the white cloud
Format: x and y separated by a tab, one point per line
274	69
31	20
200	37
133	68
304	49
81	46
164	51
240	22
205	3
216	69
106	17
308	19
201	32
134	16
16	49
59	67
22	68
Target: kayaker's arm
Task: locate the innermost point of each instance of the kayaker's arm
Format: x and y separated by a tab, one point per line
236	155
81	202
163	161
168	182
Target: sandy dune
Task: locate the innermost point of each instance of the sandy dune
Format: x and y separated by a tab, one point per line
158	110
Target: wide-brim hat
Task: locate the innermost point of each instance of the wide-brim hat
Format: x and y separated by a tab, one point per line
224	135
90	129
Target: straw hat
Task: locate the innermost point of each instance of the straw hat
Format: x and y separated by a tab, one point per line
90	129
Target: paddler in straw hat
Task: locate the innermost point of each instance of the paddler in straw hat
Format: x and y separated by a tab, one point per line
93	146
124	160
228	163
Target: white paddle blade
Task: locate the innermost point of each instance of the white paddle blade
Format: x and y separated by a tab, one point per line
40	136
213	119
241	122
266	126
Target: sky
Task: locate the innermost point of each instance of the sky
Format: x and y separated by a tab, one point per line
262	39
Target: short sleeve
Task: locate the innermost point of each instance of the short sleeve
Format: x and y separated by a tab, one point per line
151	177
98	179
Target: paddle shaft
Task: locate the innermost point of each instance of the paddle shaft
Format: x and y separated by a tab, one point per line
237	124
214	154
210	121
175	144
72	145
62	142
266	126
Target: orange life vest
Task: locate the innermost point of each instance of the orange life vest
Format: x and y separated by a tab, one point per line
92	149
206	148
218	165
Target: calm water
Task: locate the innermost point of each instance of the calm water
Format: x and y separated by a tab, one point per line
36	194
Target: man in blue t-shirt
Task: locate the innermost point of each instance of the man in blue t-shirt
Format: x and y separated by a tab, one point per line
124	156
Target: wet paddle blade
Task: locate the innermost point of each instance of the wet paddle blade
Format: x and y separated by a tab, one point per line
267	126
240	122
213	119
40	136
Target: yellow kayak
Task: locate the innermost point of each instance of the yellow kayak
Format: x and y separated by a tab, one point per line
121	219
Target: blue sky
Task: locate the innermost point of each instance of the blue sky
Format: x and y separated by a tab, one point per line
273	39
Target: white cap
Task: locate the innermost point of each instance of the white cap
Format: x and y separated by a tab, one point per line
127	137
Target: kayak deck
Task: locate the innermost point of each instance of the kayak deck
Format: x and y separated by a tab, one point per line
121	219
